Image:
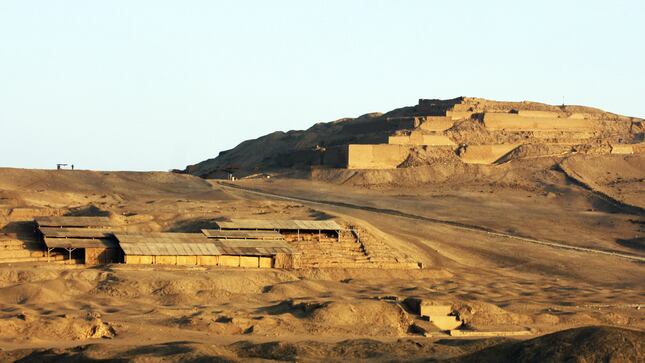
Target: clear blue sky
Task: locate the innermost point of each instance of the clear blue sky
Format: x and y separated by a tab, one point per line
154	85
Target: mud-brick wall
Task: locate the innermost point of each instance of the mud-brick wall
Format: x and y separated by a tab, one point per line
516	122
542	114
382	156
226	261
486	154
436	123
419	138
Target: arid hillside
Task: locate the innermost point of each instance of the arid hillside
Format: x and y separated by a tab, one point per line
477	242
452	133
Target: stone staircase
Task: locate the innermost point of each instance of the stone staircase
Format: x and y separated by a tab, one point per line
355	248
331	252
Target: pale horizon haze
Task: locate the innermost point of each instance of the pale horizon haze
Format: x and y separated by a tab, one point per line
157	85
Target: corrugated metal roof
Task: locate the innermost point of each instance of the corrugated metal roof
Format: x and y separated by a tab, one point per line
233	234
170	249
75	232
161	237
67	221
253	247
195	244
79	243
167	244
273	224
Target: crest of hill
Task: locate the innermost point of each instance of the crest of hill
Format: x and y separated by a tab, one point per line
264	152
280	150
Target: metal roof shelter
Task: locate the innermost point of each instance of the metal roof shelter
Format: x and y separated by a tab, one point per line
66	221
74	243
253	247
282	225
167	244
171	249
243	235
274	224
71	233
53	232
195	244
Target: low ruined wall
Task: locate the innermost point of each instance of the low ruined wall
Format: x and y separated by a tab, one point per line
540	114
436	140
398	140
436	123
517	122
383	156
622	149
638	148
224	261
459	115
485	154
420	139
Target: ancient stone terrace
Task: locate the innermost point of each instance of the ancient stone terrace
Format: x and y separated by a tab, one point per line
477	131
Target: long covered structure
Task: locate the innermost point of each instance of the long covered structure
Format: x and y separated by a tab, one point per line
235	234
290	229
198	249
279	224
84	238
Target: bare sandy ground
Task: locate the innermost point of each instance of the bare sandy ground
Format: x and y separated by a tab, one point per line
145	313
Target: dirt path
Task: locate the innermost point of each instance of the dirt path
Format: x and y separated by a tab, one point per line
452	224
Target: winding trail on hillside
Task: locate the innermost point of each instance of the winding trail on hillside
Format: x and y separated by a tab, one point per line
453	224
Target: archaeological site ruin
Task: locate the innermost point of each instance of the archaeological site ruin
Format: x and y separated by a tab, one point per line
461	130
452	226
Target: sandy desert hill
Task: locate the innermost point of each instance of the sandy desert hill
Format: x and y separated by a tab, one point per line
532	239
440	133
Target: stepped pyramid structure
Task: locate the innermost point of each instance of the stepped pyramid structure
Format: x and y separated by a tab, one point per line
477	131
461	130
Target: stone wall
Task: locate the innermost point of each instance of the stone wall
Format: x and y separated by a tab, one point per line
485	154
540	114
517	122
436	123
622	149
459	115
383	156
224	260
419	138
